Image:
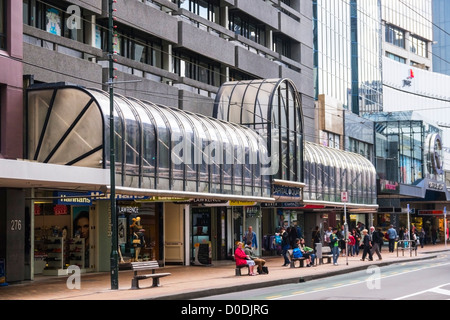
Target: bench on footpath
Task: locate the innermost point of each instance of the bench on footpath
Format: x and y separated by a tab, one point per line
293	260
238	269
144	266
326	255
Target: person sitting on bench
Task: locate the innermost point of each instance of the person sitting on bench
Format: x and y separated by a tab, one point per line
258	261
243	259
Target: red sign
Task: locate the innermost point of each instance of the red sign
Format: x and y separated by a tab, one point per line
60	209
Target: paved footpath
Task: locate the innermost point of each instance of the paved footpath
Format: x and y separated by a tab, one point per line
190	282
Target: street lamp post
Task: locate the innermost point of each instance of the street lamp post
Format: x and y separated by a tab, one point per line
114	268
445	226
409	233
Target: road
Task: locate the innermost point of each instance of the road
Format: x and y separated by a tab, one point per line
419	280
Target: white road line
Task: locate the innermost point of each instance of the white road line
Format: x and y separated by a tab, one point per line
364	281
435	289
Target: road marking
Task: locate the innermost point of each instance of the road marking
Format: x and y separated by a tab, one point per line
392	274
435	289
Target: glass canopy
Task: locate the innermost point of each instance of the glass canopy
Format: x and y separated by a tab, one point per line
156	147
272	108
328	172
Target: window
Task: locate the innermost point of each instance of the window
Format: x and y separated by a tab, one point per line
419	47
52	19
395	57
249	29
2	24
395	36
282	46
201	70
207	9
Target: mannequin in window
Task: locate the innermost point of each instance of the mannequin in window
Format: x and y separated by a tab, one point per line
138	243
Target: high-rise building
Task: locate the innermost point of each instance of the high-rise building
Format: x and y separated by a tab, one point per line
347	53
441	36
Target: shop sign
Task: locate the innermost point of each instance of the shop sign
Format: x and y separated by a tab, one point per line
60	210
128	210
73	198
387	186
431	212
284	191
203	201
163	199
241	203
435	186
282	205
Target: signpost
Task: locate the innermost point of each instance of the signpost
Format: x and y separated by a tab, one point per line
409	232
445	226
344	199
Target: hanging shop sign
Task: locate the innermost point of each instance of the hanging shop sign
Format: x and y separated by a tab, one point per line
72	198
386	186
287	193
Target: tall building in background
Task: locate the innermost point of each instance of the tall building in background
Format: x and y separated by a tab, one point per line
441	36
347	53
408	32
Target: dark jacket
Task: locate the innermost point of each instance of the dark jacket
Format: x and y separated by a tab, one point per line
366	241
377	237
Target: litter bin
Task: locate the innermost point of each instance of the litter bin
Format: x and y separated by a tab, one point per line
3	273
319	252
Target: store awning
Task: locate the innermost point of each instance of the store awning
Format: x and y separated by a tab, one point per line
329	171
156	147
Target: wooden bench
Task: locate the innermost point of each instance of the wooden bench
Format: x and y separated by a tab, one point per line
293	260
326	255
144	266
238	269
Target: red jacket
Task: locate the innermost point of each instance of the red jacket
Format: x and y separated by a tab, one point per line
351	241
240	257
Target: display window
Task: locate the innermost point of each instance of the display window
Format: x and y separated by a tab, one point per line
62	234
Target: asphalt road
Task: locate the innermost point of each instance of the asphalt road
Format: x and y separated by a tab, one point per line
420	280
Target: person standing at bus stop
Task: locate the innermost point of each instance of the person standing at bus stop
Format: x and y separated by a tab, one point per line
392	234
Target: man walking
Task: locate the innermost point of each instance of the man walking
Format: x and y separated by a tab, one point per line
377	239
392	234
334	243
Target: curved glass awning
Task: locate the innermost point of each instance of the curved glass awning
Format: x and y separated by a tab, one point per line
272	108
328	172
156	147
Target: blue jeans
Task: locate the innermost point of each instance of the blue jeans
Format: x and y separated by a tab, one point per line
335	252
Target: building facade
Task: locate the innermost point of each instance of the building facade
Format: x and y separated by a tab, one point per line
162	59
441	42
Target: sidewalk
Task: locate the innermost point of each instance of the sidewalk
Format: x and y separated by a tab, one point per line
189	282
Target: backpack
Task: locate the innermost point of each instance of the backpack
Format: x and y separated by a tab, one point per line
297	253
278	239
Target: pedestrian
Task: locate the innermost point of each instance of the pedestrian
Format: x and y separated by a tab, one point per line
406	238
392	234
351	244
422	236
334	243
258	261
307	252
316	237
326	237
377	239
292	231
285	246
357	236
250	235
433	235
367	244
242	259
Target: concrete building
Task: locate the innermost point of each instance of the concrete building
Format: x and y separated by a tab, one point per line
173	53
